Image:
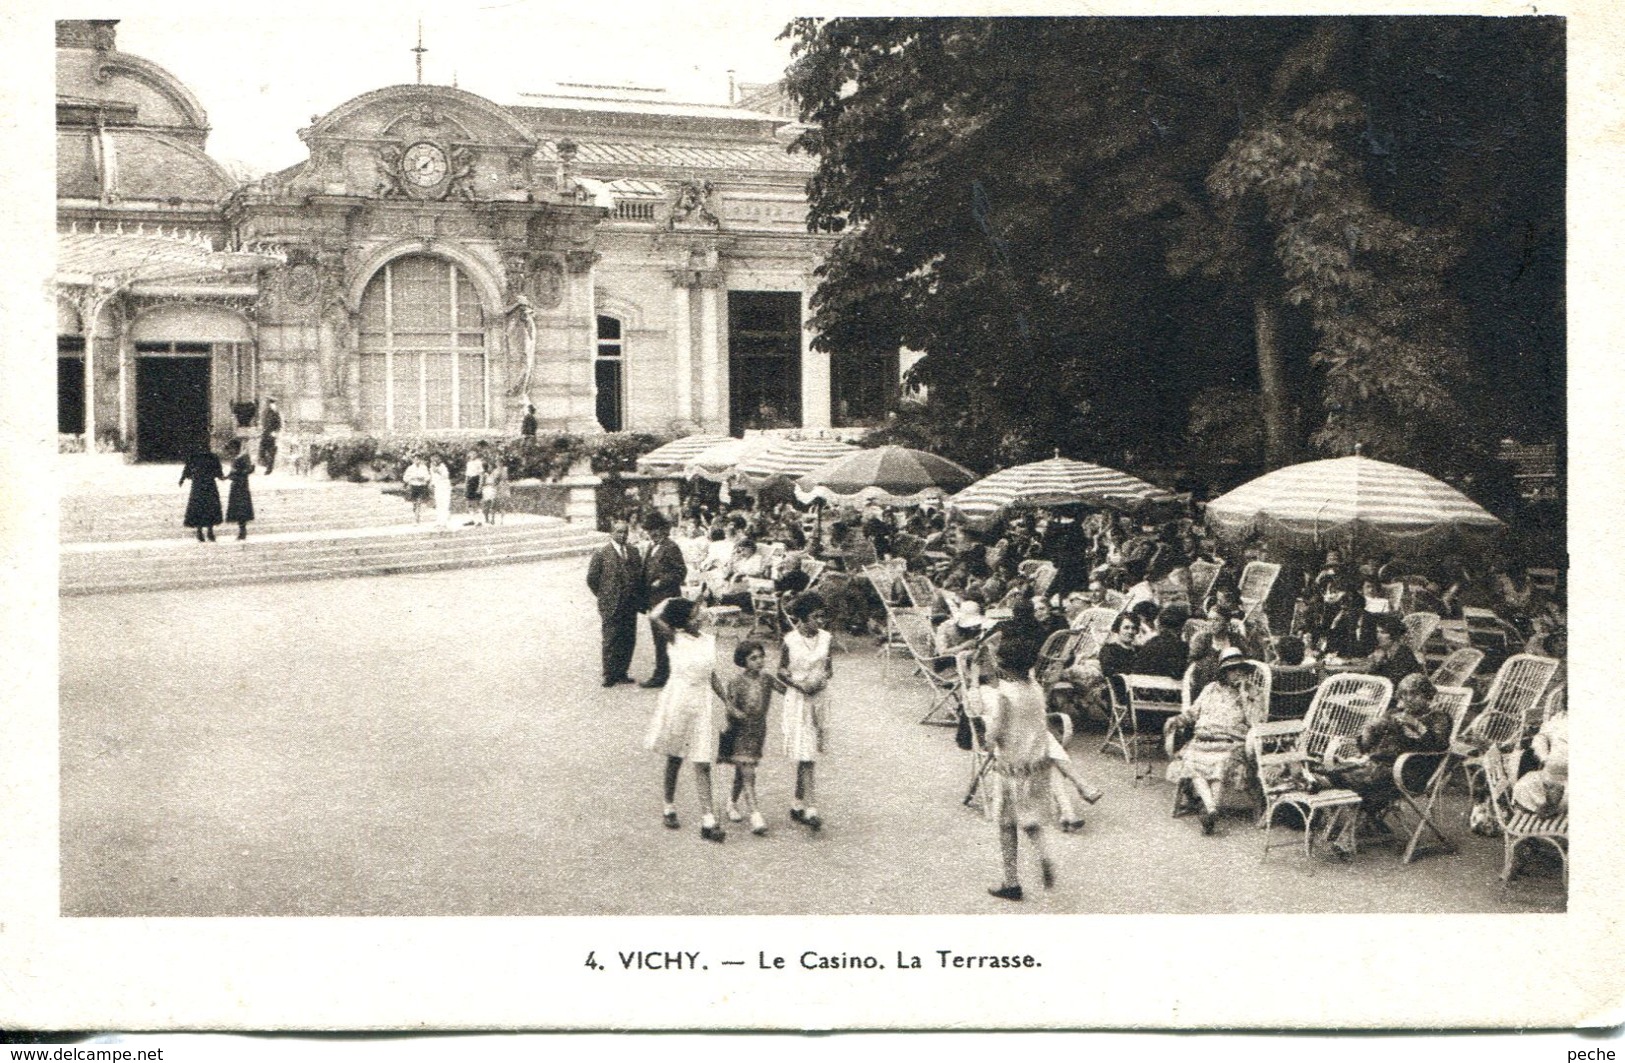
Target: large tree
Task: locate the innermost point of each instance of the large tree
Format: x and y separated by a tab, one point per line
1086	222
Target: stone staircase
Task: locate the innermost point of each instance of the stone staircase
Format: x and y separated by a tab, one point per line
295	506
303	530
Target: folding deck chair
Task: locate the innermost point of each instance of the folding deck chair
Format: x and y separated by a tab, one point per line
947	695
1421	778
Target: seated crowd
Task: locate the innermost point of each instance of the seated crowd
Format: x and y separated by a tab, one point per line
1156	599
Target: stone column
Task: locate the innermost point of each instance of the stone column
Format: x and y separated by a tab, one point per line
713	412
682	345
91	302
815	373
581	402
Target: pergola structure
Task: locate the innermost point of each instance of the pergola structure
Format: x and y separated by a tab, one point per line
99	263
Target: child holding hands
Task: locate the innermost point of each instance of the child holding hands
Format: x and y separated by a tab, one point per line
805	669
747	697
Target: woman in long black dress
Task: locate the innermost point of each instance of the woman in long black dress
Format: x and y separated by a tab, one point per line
203	504
240	503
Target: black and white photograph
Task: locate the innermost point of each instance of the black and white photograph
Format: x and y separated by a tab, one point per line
672	480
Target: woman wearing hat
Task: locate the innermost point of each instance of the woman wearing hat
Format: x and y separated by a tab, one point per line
960	632
1217	723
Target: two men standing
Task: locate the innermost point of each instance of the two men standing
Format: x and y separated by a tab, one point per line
627	583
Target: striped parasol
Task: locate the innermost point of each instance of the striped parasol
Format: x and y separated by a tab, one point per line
1358	500
788	459
894	476
716	462
671	458
1054	481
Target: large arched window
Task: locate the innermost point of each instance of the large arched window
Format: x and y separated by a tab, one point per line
422	354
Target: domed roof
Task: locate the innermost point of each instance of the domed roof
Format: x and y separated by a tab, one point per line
136	165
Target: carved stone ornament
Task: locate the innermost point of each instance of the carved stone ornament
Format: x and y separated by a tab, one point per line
547	283
579	261
461	183
693	205
388	169
300	284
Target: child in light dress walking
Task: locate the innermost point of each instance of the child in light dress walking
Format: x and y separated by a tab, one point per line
687	719
1018	741
805	669
747	699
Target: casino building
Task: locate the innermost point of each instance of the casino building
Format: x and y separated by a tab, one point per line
437	262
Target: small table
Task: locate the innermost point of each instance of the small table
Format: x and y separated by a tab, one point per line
1339	828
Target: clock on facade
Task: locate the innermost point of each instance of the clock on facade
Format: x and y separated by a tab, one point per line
424	164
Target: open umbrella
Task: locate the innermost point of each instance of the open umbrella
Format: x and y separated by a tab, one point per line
895	476
1355	500
671	458
1054	481
789	458
716	462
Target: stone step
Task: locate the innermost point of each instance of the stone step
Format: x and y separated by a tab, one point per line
231	563
140	517
183	549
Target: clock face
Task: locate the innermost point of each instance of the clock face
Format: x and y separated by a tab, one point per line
424	164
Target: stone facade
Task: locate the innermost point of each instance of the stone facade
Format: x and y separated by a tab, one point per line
449	260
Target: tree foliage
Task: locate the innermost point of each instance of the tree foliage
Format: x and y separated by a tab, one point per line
1085	223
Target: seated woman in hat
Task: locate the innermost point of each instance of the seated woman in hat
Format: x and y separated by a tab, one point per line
1217	722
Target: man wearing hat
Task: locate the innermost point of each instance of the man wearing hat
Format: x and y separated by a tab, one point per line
664	571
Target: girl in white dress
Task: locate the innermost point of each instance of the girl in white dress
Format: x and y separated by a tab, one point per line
805	669
688	717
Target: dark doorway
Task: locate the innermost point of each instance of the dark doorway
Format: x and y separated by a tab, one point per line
764	360
70	385
171	405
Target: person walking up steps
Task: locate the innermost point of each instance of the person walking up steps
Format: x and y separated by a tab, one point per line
687	718
805	669
240	503
203	502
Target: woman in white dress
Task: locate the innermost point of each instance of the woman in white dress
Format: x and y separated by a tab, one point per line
688	717
805	669
440	483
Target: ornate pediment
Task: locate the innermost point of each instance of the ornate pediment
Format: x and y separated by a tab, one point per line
423	142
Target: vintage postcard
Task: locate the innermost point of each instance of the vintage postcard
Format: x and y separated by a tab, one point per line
740	517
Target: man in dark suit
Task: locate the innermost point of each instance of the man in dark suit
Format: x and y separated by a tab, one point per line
615	577
270	430
1165	653
663	573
